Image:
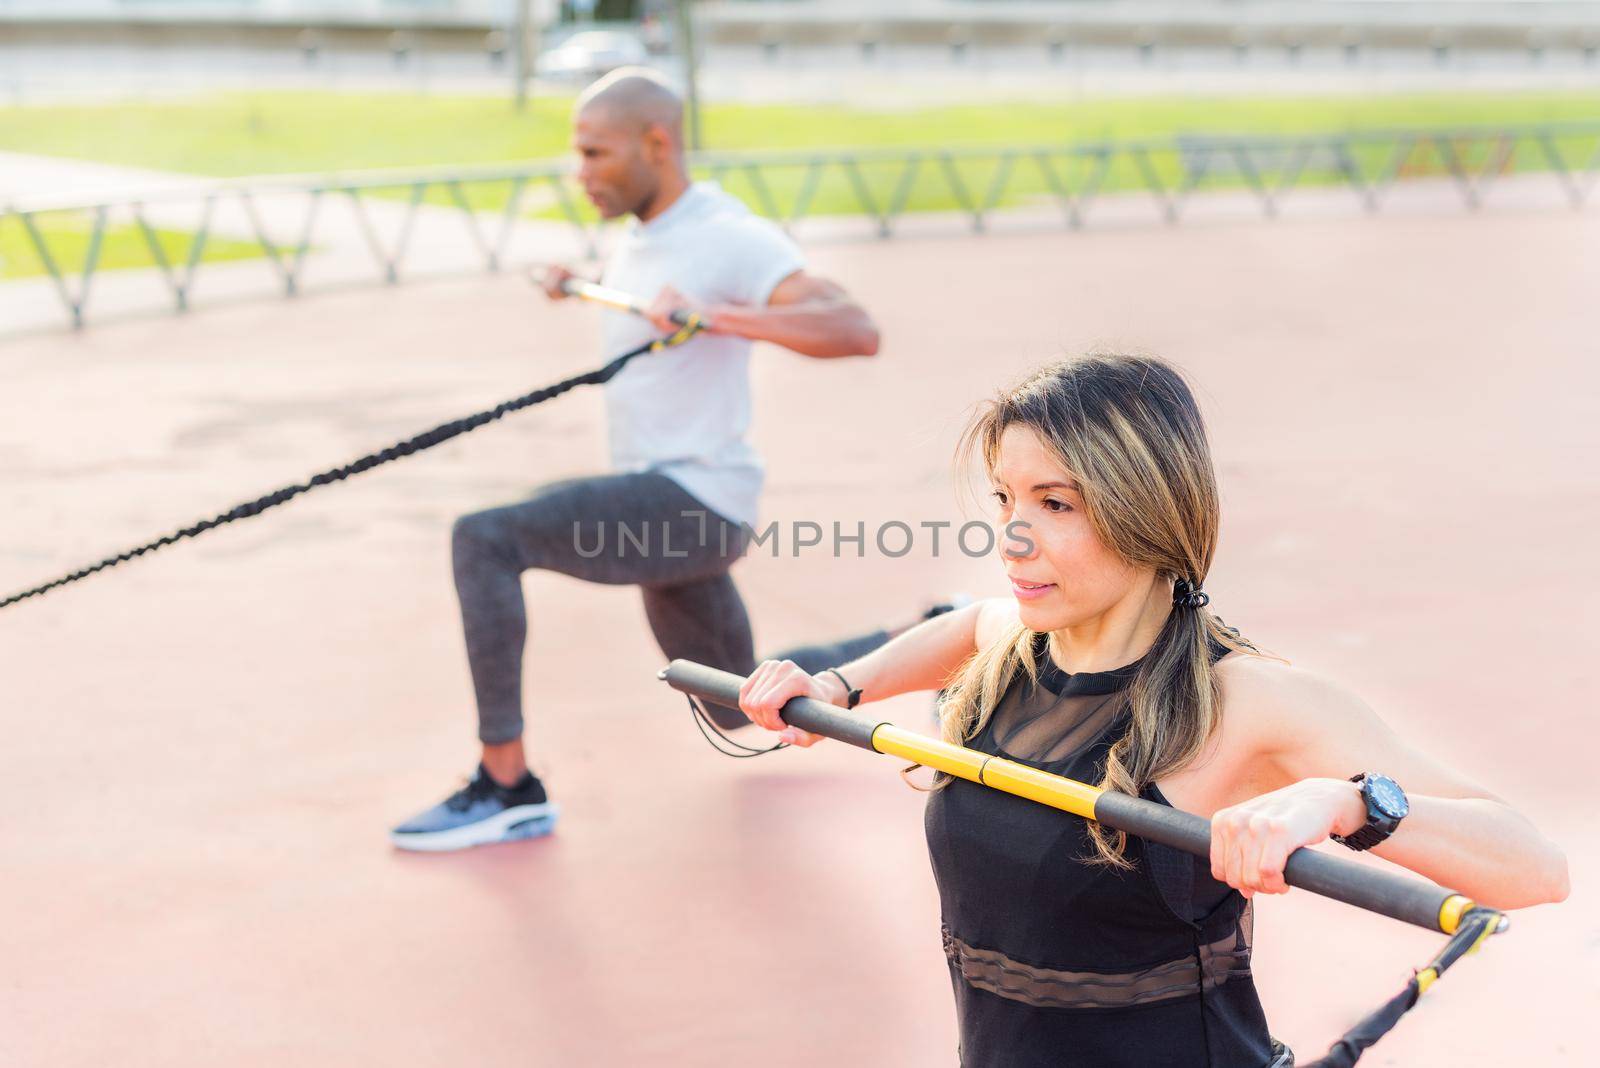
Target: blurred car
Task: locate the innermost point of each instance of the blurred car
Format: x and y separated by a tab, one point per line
590	53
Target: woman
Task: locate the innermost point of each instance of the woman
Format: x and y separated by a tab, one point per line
1068	943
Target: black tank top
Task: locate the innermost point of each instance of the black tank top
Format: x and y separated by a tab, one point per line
1059	961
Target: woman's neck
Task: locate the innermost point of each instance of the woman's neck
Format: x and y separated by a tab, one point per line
1118	636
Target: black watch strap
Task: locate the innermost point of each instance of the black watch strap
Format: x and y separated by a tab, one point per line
852	696
1378	827
1364	839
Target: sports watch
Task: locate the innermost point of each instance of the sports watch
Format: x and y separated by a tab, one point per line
1386	807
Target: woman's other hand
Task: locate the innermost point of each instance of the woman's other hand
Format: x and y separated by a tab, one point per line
772	685
1252	841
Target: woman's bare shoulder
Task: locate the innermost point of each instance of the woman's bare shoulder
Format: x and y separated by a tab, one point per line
1271	700
996	616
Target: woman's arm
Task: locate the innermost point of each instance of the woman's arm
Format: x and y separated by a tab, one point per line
922	658
1306	737
927	655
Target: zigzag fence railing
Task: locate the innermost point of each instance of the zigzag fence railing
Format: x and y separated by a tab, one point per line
885	185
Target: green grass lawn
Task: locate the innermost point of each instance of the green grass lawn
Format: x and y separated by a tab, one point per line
67	236
232	134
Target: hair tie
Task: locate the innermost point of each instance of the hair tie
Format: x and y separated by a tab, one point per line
1189	595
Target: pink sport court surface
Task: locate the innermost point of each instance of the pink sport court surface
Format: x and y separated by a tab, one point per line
202	750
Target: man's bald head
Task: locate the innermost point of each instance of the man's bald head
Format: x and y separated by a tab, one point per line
635	98
627	129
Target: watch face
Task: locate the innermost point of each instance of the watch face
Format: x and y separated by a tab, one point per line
1387	797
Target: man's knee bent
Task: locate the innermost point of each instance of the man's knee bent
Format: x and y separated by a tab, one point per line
478	536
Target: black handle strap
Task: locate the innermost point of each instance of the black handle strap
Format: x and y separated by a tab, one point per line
409	447
852	696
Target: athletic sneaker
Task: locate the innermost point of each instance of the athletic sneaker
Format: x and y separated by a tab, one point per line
480	812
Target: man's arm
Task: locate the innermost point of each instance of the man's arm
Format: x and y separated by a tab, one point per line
806	314
551	277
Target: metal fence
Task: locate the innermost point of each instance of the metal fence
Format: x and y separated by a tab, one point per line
476	214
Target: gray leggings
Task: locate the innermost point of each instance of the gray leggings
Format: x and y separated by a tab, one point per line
640	529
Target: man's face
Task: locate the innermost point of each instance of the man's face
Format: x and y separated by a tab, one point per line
613	166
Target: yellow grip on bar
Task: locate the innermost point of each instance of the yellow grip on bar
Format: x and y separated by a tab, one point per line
1452	910
1075	797
954	760
997	773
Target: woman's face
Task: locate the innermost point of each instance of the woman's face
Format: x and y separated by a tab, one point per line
1061	574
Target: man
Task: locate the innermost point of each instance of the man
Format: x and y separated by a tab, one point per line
682	468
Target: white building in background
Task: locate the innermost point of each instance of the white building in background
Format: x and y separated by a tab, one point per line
287	10
742	42
1154	11
266	10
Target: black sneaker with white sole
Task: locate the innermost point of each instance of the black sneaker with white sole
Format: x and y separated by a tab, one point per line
480	812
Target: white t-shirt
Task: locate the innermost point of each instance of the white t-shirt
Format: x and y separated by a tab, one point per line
685	411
